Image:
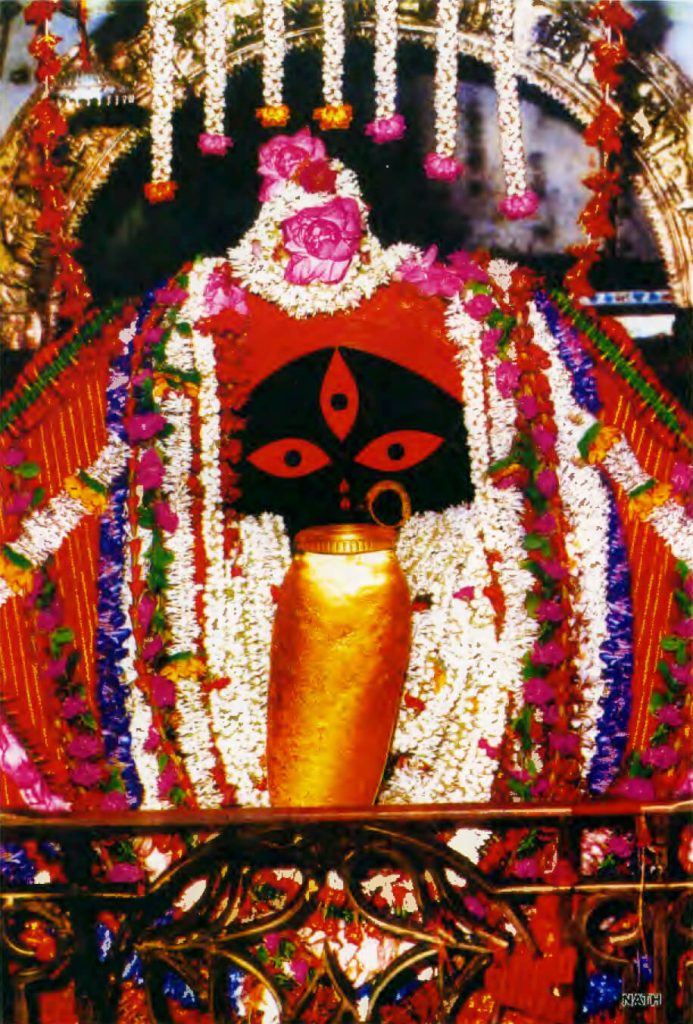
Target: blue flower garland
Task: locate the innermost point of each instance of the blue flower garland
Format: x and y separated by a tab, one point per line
579	364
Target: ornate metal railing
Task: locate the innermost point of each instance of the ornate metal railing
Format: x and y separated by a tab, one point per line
372	915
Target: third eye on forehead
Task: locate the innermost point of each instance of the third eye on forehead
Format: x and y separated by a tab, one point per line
347	395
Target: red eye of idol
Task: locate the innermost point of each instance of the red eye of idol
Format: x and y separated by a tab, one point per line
401	449
291	457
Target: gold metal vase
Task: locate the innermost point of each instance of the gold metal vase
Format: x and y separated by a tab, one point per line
340	650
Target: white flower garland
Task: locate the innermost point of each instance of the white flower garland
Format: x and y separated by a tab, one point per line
586	507
333	28
385	58
217	30
507	96
162	56
273	51
256	266
445	85
45	529
239	712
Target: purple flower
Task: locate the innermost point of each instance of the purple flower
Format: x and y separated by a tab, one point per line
670	715
528	406
18	503
13	457
479	306
322	241
551	653
114	800
620	846
165	517
527	867
464	594
520	205
474	905
538	691
56	668
125	873
152	648
170	296
163	692
84	746
49	618
167	780
545	523
144	426
682	477
564	743
442	168
547	483
544	439
150	470
73	707
489	341
212	144
386	129
636	788
145	611
661	758
550	611
507	378
87	774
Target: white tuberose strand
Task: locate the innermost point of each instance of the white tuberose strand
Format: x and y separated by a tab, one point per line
445	98
507	96
333	27
162	55
216	34
385	58
273	51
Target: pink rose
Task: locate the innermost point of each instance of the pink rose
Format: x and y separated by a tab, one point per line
551	653
167	780
550	714
553	568
479	306
283	156
636	788
682	477
272	941
299	969
507	378
57	668
84	746
211	144
145	610
550	611
620	846
13	457
489	341
474	905
73	707
489	749
165	517
50	618
538	691
322	241
144	426
86	774
545	523
115	800
163	692
150	470
682	674
125	873
172	296
660	758
544	439
152	648
547	483
527	867
153	740
519	206
318	176
684	628
386	129
528	406
222	292
442	168
541	786
464	594
465	266
430	277
153	336
670	715
18	504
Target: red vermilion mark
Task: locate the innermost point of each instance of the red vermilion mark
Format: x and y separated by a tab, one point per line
339	397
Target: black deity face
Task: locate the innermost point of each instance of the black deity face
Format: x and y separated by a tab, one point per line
323	430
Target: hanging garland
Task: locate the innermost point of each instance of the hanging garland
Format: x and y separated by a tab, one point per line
162	187
48	128
519	201
275	113
604	133
213	141
388	124
335	114
442	165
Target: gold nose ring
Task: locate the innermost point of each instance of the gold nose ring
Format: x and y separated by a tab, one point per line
382	487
